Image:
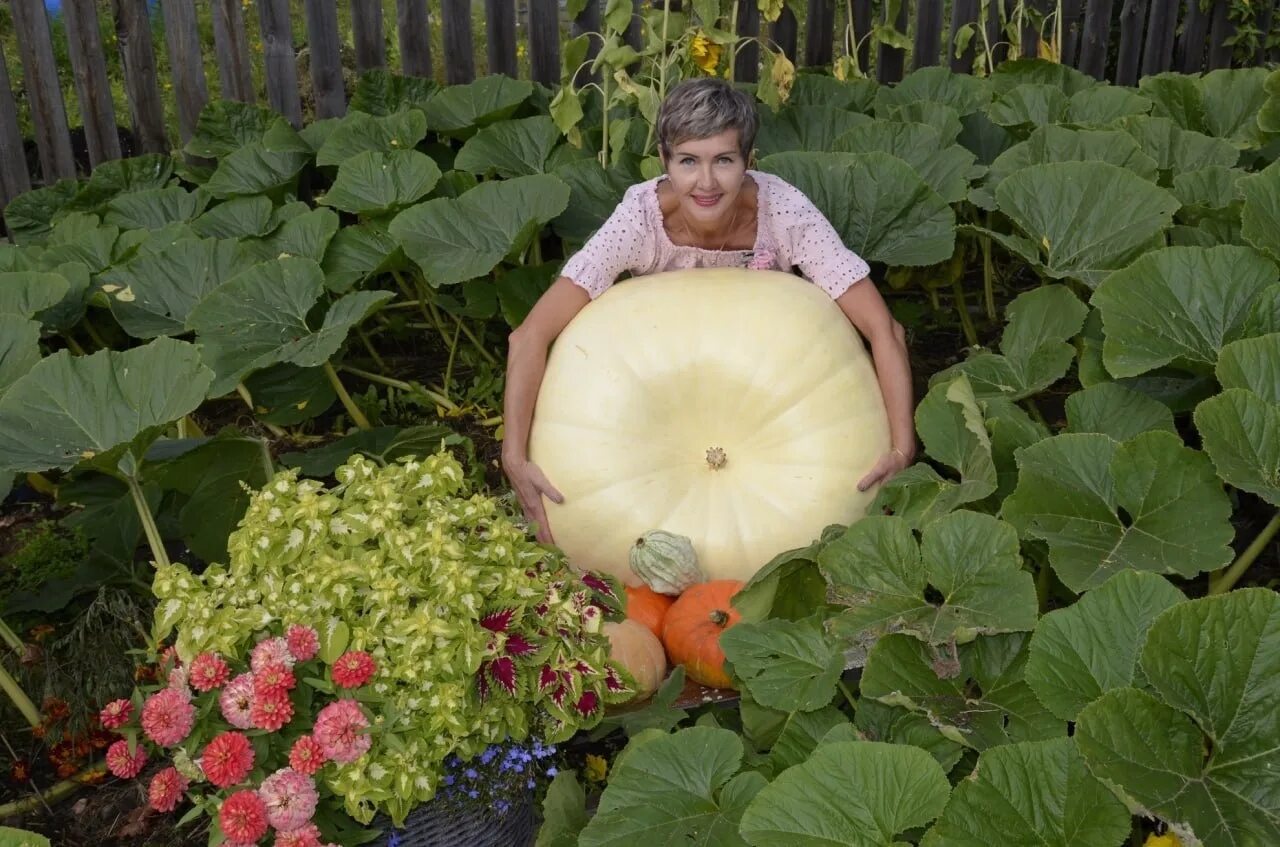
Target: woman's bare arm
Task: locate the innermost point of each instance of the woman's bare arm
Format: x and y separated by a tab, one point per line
526	364
867	311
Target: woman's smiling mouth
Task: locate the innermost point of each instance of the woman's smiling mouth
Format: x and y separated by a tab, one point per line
703	200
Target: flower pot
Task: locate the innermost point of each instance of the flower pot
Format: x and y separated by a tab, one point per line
437	824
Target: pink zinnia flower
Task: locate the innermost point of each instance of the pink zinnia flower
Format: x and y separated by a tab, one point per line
308	835
179	683
290	798
116	714
271	713
353	669
227	759
339	731
272	650
303	642
166	790
124	764
243	817
306	756
236	701
274	680
167	717
208	672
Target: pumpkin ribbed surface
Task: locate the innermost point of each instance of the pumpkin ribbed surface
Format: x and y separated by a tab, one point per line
737	408
648	607
692	630
638	650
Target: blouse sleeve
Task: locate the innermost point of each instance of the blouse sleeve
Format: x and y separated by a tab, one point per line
815	246
625	242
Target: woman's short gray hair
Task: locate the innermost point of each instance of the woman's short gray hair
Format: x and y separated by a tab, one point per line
703	107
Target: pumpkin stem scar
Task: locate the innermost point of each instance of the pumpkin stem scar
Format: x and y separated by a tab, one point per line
716	458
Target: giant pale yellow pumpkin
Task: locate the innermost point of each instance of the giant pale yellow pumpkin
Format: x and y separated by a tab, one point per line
738	408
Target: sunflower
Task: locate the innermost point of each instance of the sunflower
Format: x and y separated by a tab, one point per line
705	53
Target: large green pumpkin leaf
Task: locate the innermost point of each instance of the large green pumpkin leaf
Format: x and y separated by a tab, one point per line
675	789
359	133
386	444
786	665
593	195
801	735
953	429
1179	305
235	218
1056	207
510	148
380	92
875	721
1035	352
970	561
225	126
1036	792
68	408
1232	99
1147	504
964	93
306	234
373	183
155	207
855	793
286	394
252	169
153	294
25	293
1080	652
1177	149
1029	105
980	701
457	109
882	209
1203	750
259	318
1116	411
1241	426
457	240
1260	216
1177	98
945	169
356	252
1014	72
811	128
1102	105
943	118
19	348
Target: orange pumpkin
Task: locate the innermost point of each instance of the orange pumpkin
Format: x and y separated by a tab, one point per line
639	652
648	607
692	630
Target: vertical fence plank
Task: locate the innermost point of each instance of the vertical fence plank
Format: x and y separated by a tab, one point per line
414	34
500	24
746	64
890	61
231	44
14	178
366	32
1266	17
1220	29
1157	53
544	41
996	35
633	34
459	54
963	13
862	16
280	60
182	36
89	65
1189	54
820	25
44	91
1029	34
588	20
1071	26
1097	27
784	31
141	85
928	33
326	57
1133	18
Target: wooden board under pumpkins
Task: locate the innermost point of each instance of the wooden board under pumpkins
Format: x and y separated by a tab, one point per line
691	696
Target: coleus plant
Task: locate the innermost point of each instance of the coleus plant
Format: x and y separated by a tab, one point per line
479	634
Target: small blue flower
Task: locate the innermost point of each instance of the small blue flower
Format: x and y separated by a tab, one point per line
551	771
470	773
473	794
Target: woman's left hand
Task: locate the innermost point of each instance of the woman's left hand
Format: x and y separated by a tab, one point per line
888	465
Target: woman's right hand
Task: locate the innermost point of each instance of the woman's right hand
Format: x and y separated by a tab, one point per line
531	485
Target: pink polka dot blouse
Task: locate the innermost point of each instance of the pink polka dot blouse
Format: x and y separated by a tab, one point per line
790	234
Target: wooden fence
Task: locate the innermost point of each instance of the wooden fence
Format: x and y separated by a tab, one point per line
1114	39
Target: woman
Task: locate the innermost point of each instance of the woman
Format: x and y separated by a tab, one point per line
707	210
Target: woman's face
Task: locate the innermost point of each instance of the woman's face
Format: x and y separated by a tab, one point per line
706	174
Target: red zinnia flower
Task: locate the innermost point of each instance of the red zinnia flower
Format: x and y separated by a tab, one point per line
116	714
243	817
303	642
167	717
271	713
124	764
274	680
227	759
208	671
166	790
306	756
353	669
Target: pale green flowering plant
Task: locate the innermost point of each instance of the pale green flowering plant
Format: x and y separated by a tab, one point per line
479	633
